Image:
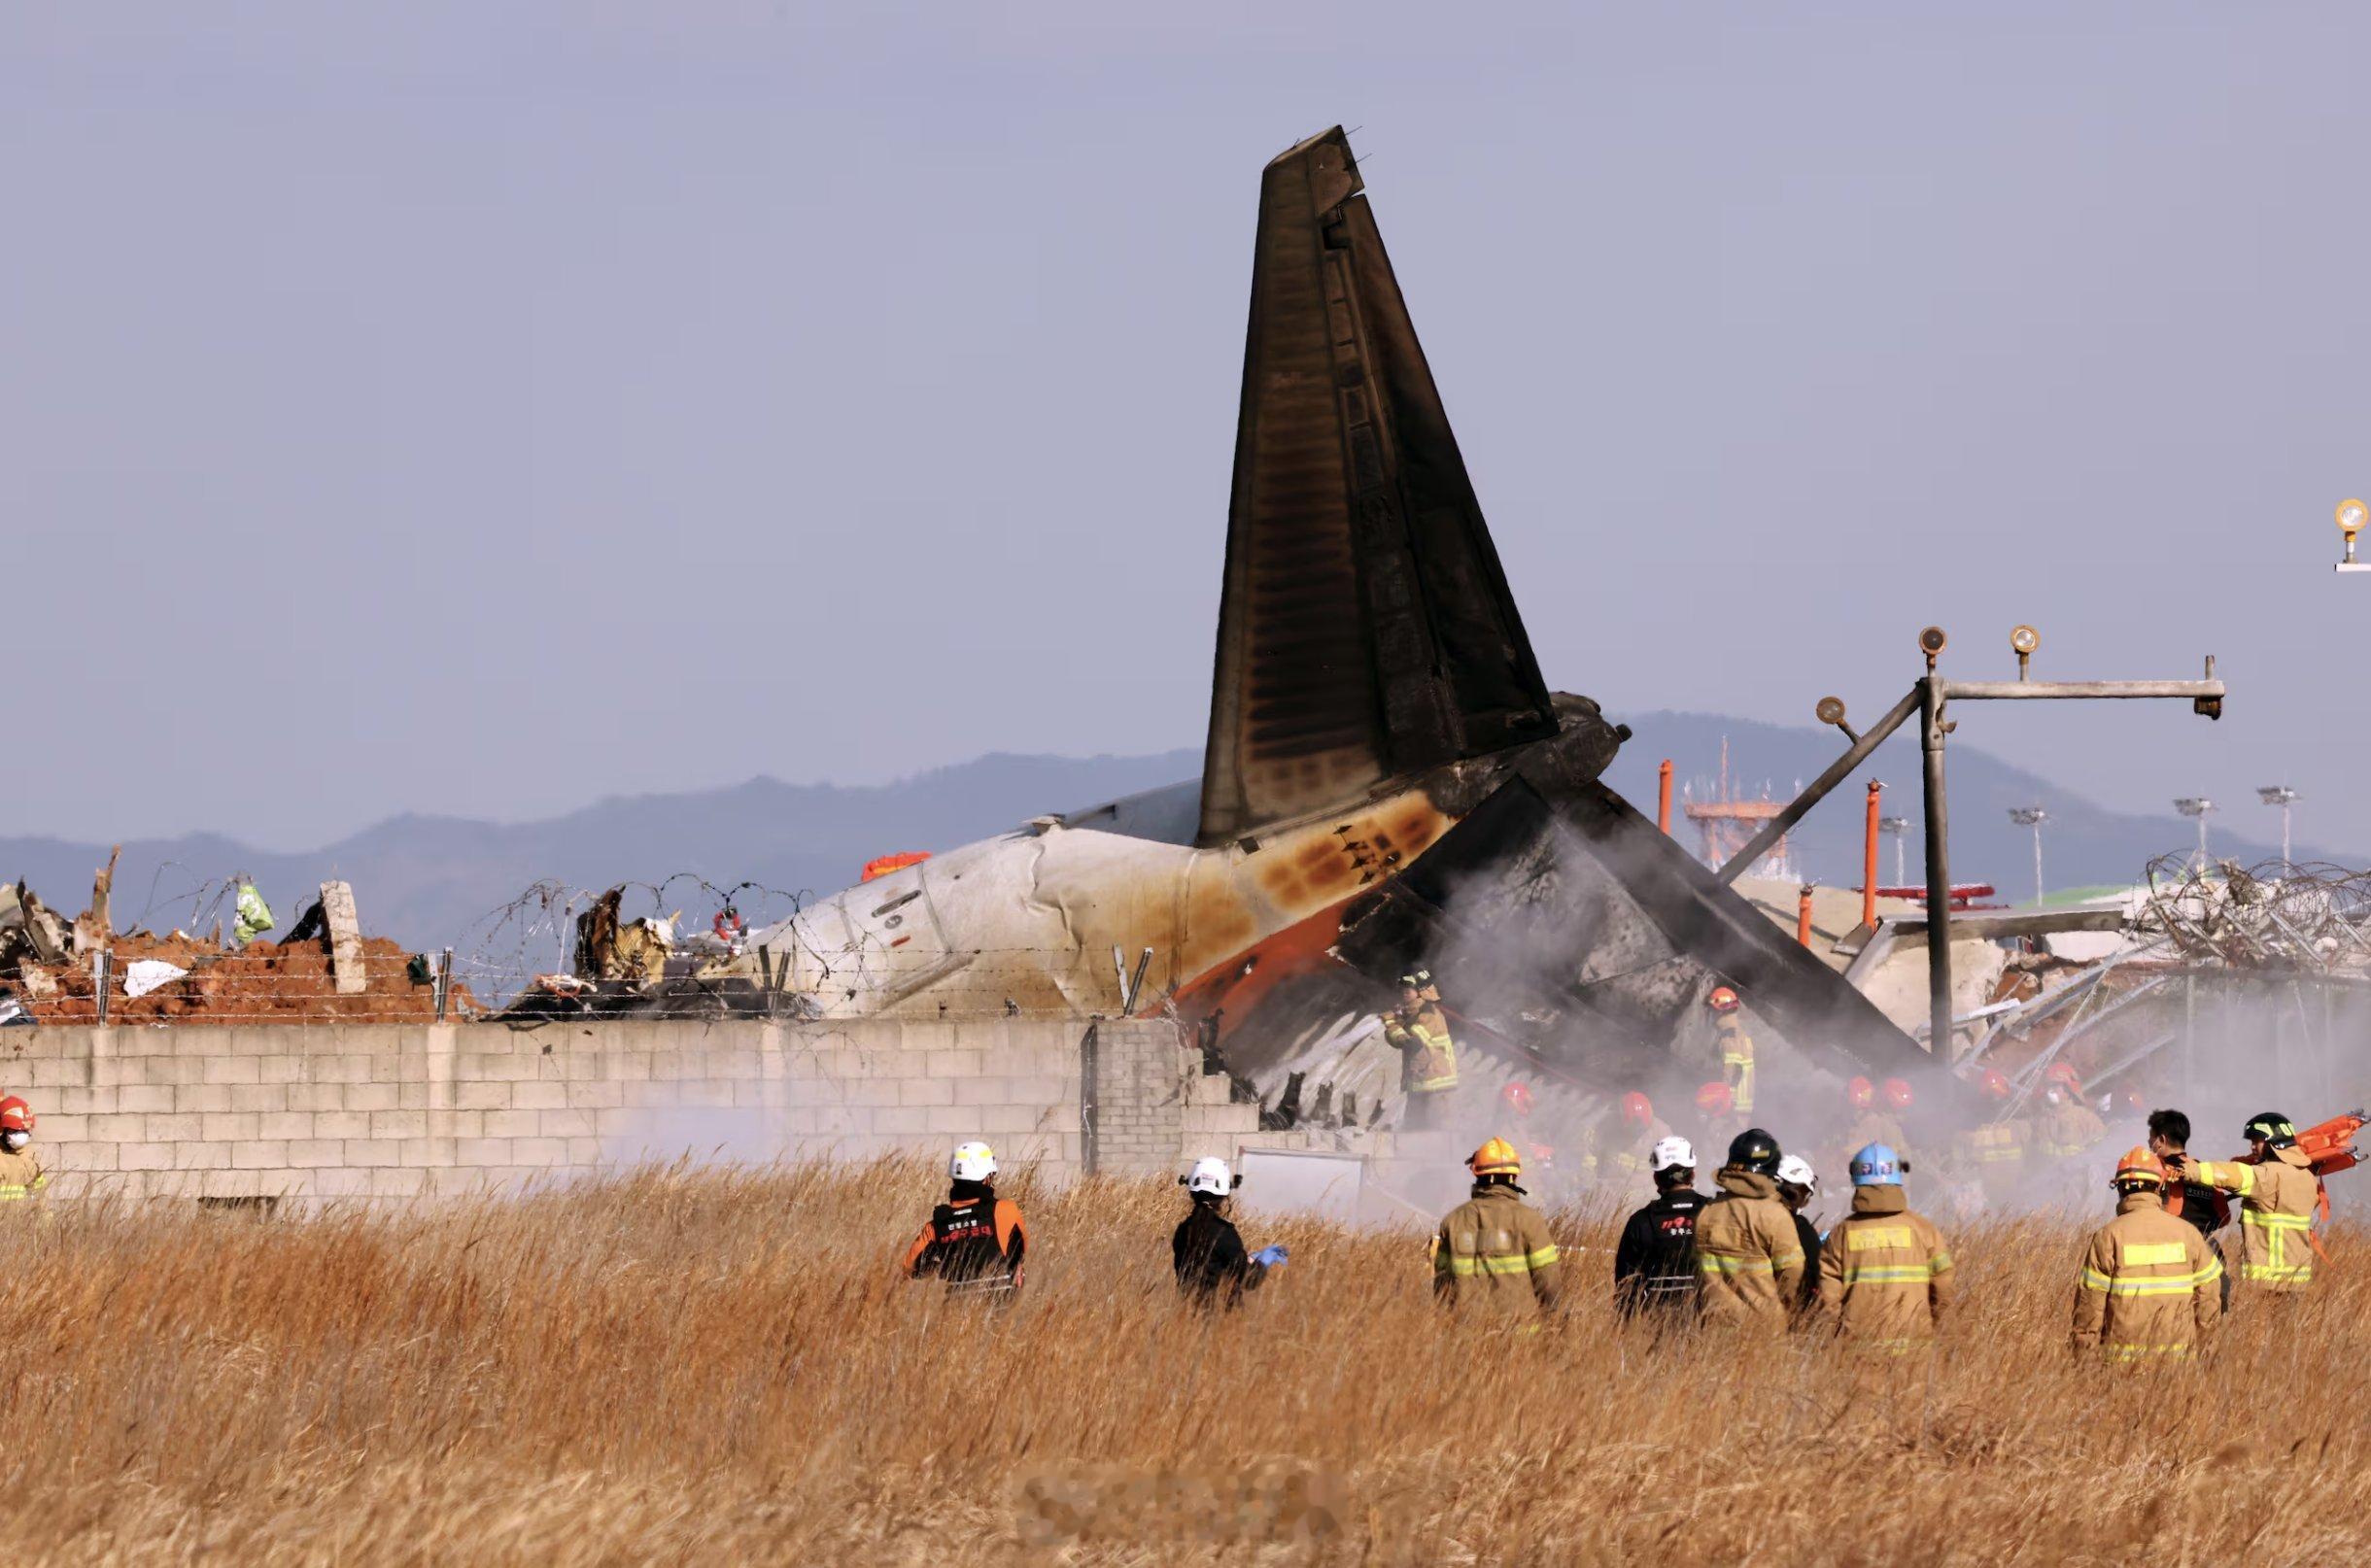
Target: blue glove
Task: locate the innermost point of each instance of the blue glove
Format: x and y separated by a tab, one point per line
1270	1257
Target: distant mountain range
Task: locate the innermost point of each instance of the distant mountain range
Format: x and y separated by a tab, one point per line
433	881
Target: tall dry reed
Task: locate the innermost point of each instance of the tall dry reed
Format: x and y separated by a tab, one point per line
723	1366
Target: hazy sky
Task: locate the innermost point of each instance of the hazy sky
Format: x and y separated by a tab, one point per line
485	408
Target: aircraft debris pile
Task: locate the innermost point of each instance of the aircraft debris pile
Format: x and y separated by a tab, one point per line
325	971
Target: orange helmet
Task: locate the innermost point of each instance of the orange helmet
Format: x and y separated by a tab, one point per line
1635	1109
2138	1165
2064	1073
1498	1157
1995	1083
15	1116
1518	1096
1862	1093
1897	1092
1714	1099
1722	1000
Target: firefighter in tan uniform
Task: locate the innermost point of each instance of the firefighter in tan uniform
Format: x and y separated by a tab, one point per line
1629	1156
1884	1273
1493	1254
2277	1190
1995	1150
21	1173
1749	1261
2152	1287
1737	1050
1419	1031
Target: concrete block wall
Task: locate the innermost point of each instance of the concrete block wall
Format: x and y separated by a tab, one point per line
401	1111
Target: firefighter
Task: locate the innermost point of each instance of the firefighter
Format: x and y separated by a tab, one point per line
2277	1190
2069	1128
1518	1098
21	1173
1995	1150
1427	1057
1206	1252
2169	1140
1632	1156
1716	1117
2149	1289
1655	1261
974	1240
1737	1048
1884	1274
1749	1260
1493	1253
1798	1185
1870	1123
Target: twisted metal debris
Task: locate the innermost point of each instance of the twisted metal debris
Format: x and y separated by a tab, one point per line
2277	915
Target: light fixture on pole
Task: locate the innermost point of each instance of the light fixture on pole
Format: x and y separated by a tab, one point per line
2032	816
1899	827
2352	516
2281	795
2196	807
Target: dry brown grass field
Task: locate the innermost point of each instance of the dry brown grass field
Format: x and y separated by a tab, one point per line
713	1367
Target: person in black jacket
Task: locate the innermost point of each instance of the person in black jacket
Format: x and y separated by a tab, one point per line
2205	1207
1206	1252
1655	1261
1798	1185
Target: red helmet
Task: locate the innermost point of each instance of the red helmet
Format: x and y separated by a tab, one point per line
1722	1000
1995	1083
1518	1096
1714	1099
2064	1073
1862	1093
15	1116
1635	1109
1897	1094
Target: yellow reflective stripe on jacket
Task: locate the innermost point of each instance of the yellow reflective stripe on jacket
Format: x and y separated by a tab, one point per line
1890	1274
2276	1266
2230	1176
1494	1263
2164	1285
14	1191
2272	1221
1722	1263
1869	1238
2141	1254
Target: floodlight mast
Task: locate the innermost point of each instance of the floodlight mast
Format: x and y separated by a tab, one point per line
2281	795
1928	698
2197	807
1899	827
2032	816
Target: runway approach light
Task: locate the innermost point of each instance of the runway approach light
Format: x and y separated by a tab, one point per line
2352	516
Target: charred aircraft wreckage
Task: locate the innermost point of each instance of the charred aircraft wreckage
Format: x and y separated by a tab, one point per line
1388	782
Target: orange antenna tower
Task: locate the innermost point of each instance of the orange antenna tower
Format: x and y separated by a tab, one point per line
1727	822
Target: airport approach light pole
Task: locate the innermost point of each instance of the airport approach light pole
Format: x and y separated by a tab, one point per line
2197	806
2281	795
1899	827
1929	699
2032	816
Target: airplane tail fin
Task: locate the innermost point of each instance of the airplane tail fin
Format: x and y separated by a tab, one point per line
1366	630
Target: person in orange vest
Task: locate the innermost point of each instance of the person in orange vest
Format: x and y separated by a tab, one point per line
1419	1031
2151	1287
974	1240
2277	1190
2192	1201
1737	1049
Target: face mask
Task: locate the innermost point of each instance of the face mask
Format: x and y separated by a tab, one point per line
16	1140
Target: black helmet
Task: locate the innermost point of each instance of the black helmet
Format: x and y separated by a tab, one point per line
2273	1128
1754	1150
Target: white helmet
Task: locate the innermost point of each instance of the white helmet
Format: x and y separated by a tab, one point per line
1210	1176
973	1162
1671	1155
1794	1171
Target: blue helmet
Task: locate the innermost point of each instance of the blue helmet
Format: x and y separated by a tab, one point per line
1878	1166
